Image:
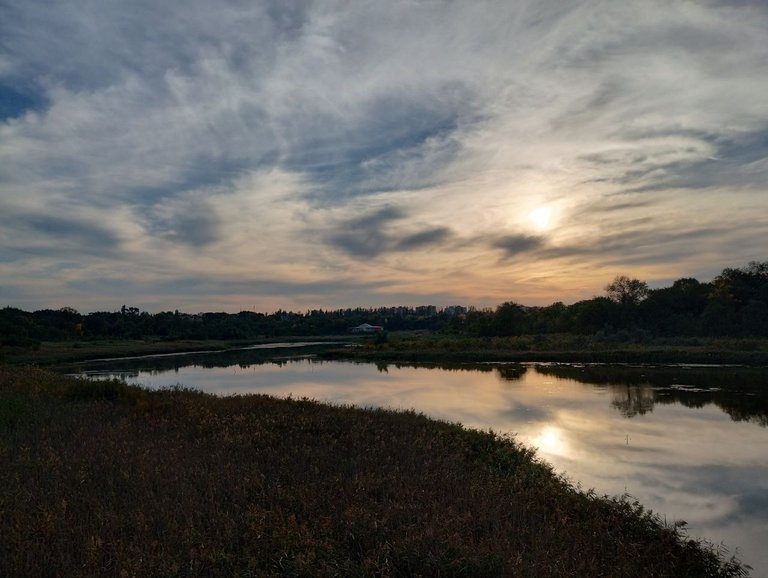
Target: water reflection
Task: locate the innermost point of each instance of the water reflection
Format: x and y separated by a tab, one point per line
741	392
553	441
690	443
274	353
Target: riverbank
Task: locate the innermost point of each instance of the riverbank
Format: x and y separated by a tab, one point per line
431	347
106	479
425	347
55	352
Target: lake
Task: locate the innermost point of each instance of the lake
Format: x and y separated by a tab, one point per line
688	442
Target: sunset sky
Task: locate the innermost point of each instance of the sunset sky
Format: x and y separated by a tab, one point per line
241	154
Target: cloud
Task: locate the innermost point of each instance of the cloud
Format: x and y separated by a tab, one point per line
436	236
28	232
748	501
624	249
300	140
372	235
186	221
514	245
737	161
365	238
65	230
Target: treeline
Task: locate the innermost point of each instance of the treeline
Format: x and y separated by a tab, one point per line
18	327
735	303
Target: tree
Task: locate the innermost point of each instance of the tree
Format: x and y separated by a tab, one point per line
626	291
593	315
738	303
509	319
744	285
676	310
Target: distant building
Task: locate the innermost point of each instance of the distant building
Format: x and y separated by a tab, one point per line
367	328
455	310
426	310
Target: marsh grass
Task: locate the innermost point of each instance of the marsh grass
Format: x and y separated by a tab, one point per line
445	348
49	352
57	352
110	480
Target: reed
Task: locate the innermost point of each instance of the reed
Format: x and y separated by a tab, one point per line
112	480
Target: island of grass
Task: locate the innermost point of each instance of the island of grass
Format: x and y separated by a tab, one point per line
106	479
442	347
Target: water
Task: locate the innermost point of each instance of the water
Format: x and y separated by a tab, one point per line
691	443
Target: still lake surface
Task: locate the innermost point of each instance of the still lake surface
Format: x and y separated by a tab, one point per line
688	442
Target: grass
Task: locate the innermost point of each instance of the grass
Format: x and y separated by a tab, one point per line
112	480
417	347
53	352
423	346
50	352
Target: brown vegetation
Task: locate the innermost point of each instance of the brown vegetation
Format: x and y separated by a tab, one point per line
104	479
50	352
425	347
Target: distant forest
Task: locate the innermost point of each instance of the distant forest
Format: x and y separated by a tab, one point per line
735	304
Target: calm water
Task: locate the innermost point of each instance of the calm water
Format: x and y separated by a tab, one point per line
691	443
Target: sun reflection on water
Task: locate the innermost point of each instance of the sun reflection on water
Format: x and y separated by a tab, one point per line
551	440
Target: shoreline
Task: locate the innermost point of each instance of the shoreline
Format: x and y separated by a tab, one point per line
618	356
178	482
49	353
415	347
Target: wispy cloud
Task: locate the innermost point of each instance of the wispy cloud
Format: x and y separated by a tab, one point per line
371	235
514	245
301	141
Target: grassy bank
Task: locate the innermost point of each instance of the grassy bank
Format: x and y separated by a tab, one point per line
52	352
417	347
103	479
49	352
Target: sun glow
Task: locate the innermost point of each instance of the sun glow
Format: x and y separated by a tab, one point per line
541	217
551	441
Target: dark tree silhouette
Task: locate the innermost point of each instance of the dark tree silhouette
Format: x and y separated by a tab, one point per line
626	291
735	303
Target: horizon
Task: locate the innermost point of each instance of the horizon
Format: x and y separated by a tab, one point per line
303	310
313	155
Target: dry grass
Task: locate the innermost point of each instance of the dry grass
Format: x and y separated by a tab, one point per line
426	347
50	352
112	480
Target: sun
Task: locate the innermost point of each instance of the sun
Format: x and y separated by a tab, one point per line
541	217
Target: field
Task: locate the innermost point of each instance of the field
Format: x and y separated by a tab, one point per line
105	479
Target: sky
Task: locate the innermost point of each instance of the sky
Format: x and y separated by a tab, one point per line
260	154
